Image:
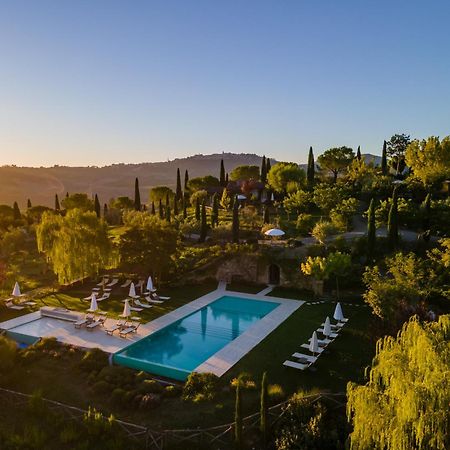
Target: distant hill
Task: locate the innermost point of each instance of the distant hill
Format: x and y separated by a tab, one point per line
41	184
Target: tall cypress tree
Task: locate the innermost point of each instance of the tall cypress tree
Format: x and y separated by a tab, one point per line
184	206
392	226
238	425
215	211
153	211
222	173
16	212
161	210
167	200
168	215
186	180
264	409
175	207
29	204
226	179
57	207
358	153
384	160
105	210
371	230
268	166
137	196
266	214
197	209
203	224
310	173
235	225
179	191
97	206
263	170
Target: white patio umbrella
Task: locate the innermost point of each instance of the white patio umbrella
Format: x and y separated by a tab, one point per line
126	309
241	197
338	315
132	292
314	344
272	197
274	232
94	305
16	290
150	284
327	327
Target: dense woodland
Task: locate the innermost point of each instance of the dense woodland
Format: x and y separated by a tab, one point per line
380	230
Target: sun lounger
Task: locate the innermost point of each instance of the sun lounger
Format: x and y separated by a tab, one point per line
309	358
81	322
88	297
104	296
125	332
296	365
28	303
307	347
150	300
111	329
96	289
332	335
336	326
323	342
143	305
103	282
11	305
113	282
164	298
133	308
126	284
90	326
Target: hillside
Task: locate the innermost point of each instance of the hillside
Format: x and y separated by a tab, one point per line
41	184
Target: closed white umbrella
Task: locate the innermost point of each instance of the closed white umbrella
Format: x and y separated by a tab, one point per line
241	197
327	327
274	232
150	284
16	290
94	306
314	344
132	292
338	315
126	309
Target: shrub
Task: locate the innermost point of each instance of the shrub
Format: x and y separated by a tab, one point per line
276	393
305	223
94	359
150	401
245	381
119	396
102	387
151	387
322	230
171	391
8	354
119	376
200	387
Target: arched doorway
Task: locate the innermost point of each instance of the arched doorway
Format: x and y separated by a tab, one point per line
274	274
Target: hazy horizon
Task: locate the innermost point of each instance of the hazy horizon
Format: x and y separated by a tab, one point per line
104	82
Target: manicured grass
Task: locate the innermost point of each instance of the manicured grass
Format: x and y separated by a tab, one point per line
248	288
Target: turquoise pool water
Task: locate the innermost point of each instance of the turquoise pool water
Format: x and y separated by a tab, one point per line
176	350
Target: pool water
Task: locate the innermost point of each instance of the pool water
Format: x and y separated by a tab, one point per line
176	350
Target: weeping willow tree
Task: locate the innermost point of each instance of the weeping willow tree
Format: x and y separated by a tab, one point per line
405	404
75	245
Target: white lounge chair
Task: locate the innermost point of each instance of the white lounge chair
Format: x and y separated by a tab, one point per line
332	335
113	282
104	296
143	305
133	308
309	358
336	326
320	350
323	342
164	298
81	322
11	305
110	330
126	284
125	332
103	282
296	365
90	326
150	300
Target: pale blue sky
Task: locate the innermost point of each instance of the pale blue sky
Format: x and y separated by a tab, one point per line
99	82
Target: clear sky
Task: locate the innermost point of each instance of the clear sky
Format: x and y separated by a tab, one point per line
86	82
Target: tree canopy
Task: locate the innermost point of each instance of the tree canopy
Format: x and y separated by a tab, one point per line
241	173
78	201
160	193
283	173
203	183
336	160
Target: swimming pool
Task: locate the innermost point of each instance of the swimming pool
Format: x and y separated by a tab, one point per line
179	348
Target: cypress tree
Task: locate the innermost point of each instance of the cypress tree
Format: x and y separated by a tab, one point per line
231	206
168	213
97	206
384	160
184	206
371	230
29	204
222	173
153	211
186	180
426	217
105	210
311	169
268	166
179	191
266	214
137	196
238	418
235	226
67	195
358	153
215	211
16	212
263	170
175	207
203	225
226	179
161	210
167	200
393	221
197	209
263	425
57	207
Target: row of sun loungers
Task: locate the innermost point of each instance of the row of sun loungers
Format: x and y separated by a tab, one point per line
123	327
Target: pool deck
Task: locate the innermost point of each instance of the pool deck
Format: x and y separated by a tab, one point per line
64	331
